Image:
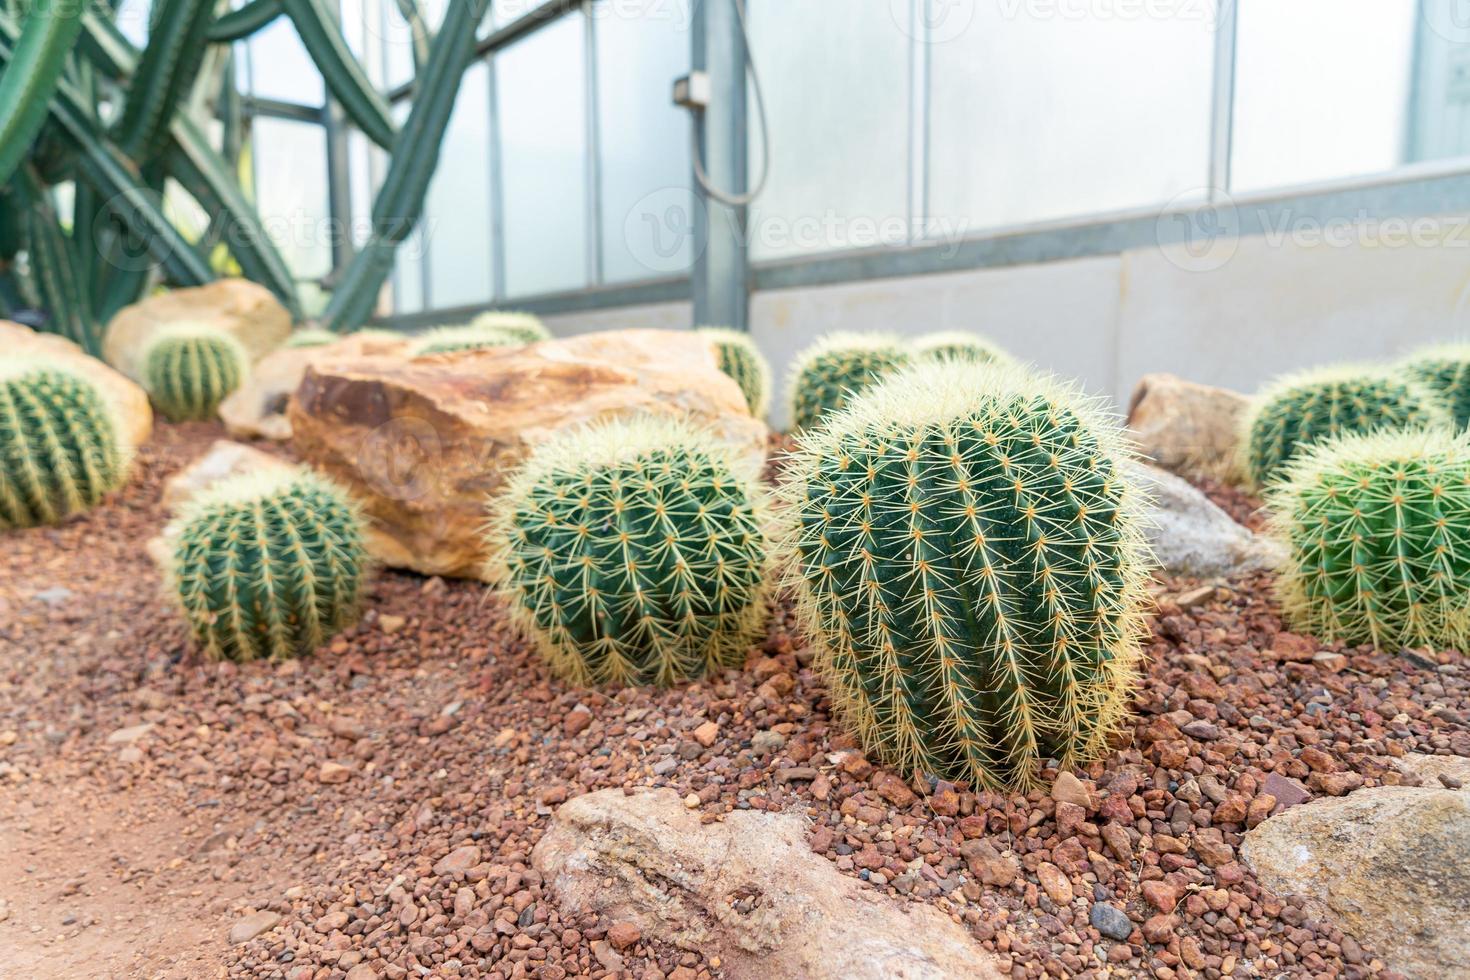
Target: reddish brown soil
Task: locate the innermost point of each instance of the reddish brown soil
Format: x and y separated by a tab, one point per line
135	858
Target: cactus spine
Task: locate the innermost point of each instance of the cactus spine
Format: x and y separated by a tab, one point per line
968	561
268	565
950	345
525	328
189	370
1378	532
742	360
60	449
1301	409
633	552
836	367
1444	370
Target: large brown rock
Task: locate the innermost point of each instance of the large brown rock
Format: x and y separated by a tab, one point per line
1187	428
748	889
1387	865
257	409
424	442
129	402
246	310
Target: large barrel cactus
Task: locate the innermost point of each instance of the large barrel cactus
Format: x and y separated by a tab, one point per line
1377	528
1444	370
268	565
447	340
836	367
311	337
742	360
969	565
60	448
1300	409
633	552
189	370
952	345
525	328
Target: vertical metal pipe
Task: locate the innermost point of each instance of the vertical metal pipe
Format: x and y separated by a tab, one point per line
721	272
594	147
1222	115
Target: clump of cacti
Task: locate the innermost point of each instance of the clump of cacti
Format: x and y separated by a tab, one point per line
969	564
1444	370
1377	529
526	328
311	337
633	552
1308	407
742	360
836	367
60	445
447	340
952	345
268	565
189	370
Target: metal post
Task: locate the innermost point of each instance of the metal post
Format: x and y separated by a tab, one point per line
339	187
1222	116
721	272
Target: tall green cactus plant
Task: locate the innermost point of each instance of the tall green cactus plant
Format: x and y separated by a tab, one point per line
634	552
969	563
268	565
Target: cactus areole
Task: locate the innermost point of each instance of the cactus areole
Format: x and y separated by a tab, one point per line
969	565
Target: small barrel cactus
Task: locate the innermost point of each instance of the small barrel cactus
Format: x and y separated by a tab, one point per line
1300	409
836	367
311	337
60	446
447	340
1377	529
524	328
742	360
951	345
1444	370
189	370
633	552
969	563
268	565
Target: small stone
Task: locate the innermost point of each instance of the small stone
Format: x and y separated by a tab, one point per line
362	971
334	772
1159	928
125	736
1056	884
707	733
458	861
1288	792
1331	662
1260	808
767	742
607	956
691	802
253	925
1070	818
623	934
1161	895
987	864
331	921
577	721
1202	730
1067	788
1291	648
391	624
1110	920
54	596
895	790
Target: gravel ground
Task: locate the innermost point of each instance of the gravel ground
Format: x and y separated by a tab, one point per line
372	809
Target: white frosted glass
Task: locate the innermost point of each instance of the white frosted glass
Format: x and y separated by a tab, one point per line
457	213
276	66
290	163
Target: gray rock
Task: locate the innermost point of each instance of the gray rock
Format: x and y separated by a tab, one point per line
748	889
54	596
1111	921
253	925
767	742
1386	864
1190	535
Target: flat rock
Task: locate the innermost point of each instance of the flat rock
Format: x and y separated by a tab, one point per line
126	736
1386	864
247	311
257	409
1186	428
252	925
425	442
748	889
129	401
1191	536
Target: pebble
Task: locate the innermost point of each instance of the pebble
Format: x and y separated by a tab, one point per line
252	925
623	935
1110	920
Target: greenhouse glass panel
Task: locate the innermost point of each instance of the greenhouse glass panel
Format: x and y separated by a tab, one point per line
274	65
834	183
132	20
647	205
1323	89
1085	110
290	168
457	219
541	84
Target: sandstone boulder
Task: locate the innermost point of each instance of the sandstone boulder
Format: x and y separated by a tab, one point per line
424	442
1186	428
248	311
257	409
1386	864
1191	536
748	889
129	402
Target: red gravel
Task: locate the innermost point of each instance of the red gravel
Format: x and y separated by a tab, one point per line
383	796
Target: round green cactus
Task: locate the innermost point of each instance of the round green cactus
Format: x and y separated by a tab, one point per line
742	360
525	328
189	370
1444	370
836	367
952	345
311	337
268	564
1377	528
447	340
969	564
60	447
1301	409
633	552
